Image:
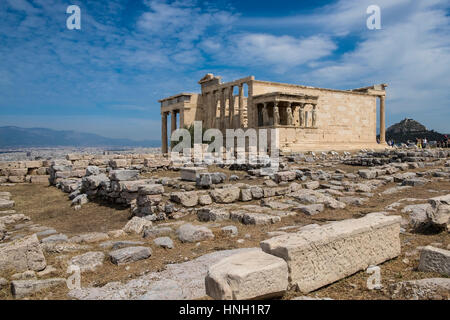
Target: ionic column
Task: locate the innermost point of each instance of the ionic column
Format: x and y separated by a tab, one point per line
164	132
214	109
241	105
222	108
182	118
173	121
231	106
382	120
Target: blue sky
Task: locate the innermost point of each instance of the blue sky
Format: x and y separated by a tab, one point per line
107	77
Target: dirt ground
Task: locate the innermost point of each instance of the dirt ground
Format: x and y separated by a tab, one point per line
48	206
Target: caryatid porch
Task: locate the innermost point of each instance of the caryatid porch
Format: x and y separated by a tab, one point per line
278	109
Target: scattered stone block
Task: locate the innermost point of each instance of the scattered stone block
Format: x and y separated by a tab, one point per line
225	195
435	260
190	233
6	204
124	175
424	289
88	261
191	173
212	214
250	275
23	288
186	199
164	242
129	254
22	254
322	255
137	225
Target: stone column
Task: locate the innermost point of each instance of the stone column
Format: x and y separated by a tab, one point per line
276	114
164	132
382	120
231	106
173	121
182	118
241	105
214	109
222	108
314	116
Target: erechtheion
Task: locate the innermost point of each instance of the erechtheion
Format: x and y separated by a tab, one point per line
308	118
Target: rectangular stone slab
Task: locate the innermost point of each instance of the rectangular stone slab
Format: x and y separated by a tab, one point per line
248	275
322	255
191	173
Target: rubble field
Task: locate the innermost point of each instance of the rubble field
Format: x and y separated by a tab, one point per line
138	226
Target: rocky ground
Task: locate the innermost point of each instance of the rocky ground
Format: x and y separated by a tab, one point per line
154	235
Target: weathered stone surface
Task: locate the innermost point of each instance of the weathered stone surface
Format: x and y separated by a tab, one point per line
259	218
80	200
230	230
435	260
23	288
187	199
129	254
124	175
55	238
120	244
311	209
22	254
3	283
151	189
137	225
356	201
249	275
418	216
88	261
225	195
212	214
433	288
283	176
6	204
190	233
164	242
157	232
322	255
89	237
92	170
177	281
367	174
191	173
312	185
5	195
204	200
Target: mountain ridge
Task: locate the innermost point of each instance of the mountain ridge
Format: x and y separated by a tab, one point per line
14	136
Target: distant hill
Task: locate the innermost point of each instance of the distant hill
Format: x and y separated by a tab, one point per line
40	137
409	129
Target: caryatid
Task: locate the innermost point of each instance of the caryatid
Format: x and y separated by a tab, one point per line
265	114
302	115
276	114
290	117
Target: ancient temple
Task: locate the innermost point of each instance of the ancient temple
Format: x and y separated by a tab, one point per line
308	118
